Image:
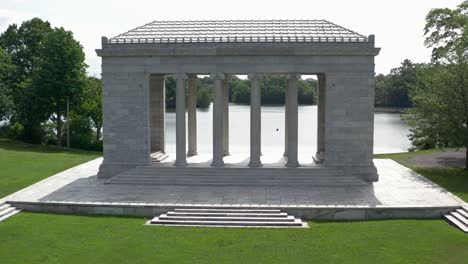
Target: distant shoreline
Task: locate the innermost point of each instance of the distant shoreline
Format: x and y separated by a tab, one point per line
390	110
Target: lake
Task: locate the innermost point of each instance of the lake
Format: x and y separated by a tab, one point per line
390	133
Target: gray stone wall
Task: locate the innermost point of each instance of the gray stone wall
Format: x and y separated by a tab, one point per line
125	119
157	110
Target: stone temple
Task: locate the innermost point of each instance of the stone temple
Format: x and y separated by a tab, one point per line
134	66
338	180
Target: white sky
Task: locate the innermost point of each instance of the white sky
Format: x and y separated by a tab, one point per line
397	24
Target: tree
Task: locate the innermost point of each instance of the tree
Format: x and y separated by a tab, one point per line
440	107
203	98
6	73
61	75
25	45
92	104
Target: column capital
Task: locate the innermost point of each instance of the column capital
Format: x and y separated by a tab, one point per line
180	76
217	76
255	76
296	76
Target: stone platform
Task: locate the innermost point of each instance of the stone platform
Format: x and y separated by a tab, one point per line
400	193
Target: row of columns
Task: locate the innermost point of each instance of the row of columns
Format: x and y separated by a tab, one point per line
221	119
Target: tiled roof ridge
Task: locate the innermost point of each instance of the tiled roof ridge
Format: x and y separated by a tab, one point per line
264	30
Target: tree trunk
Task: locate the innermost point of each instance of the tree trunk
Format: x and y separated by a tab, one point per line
466	158
98	133
59	129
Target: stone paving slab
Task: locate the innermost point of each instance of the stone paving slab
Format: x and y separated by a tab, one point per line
398	187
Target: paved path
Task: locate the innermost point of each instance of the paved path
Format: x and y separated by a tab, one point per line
448	158
398	187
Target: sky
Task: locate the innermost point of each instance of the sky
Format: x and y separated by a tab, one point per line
397	24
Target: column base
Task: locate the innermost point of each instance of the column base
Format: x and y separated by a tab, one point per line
217	163
180	163
192	153
255	164
226	153
292	164
319	157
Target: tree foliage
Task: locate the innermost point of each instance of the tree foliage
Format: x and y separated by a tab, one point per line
61	75
92	104
392	90
6	70
24	45
440	106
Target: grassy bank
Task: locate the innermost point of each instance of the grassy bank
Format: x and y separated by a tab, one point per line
23	164
49	238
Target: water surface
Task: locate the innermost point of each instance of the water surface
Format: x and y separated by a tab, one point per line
390	133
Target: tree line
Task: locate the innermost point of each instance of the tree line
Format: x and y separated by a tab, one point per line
272	90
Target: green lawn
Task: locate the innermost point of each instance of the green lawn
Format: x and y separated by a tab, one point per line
49	238
23	164
454	179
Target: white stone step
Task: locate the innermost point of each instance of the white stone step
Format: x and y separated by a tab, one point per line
233	180
237	184
7	211
462	212
226	210
227	218
282	173
158	221
465	207
4	206
227	214
10	214
460	218
454	221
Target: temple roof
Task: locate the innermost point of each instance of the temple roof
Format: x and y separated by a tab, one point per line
239	31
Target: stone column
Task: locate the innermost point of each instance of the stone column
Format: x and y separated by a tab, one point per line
157	111
218	120
321	102
292	120
255	120
286	119
181	156
226	116
192	115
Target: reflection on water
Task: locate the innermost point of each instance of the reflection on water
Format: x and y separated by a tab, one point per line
390	133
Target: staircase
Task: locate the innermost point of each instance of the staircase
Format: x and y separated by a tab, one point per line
235	176
459	218
6	211
221	217
158	156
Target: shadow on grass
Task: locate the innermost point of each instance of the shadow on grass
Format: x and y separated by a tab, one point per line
14	145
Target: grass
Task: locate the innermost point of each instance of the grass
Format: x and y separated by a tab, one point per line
49	238
454	179
23	164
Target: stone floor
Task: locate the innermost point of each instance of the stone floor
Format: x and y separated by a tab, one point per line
398	187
